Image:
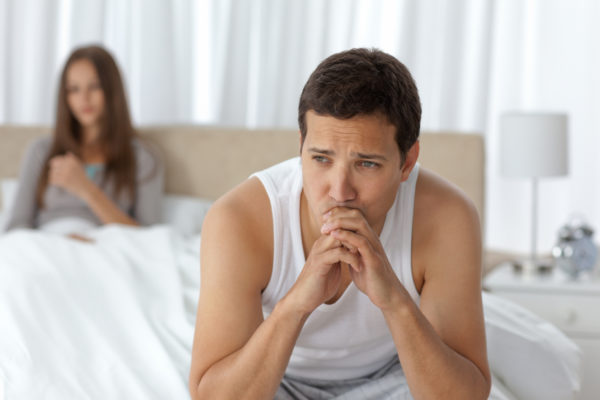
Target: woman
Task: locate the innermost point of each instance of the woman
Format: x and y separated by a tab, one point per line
93	170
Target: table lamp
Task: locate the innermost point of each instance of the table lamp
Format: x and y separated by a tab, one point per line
533	146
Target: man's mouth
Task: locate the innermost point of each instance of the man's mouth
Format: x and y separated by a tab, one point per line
330	208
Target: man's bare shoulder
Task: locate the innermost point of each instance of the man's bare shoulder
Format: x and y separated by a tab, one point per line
437	200
446	228
447	265
239	227
235	262
248	203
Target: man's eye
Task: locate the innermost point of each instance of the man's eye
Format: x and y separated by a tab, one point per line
72	89
368	164
320	159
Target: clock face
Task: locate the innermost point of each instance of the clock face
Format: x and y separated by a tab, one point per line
576	256
584	255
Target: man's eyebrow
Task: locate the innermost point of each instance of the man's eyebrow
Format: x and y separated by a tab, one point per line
371	156
367	156
321	151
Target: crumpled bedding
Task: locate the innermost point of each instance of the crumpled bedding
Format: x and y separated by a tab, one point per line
110	319
115	319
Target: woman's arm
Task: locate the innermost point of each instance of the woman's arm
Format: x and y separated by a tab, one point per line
105	208
67	172
24	208
147	207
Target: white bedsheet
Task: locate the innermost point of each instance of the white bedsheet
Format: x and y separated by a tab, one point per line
113	319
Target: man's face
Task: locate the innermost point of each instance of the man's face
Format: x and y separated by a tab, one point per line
352	163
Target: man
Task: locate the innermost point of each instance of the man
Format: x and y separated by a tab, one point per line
350	272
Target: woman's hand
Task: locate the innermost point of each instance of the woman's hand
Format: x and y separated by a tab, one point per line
81	238
67	172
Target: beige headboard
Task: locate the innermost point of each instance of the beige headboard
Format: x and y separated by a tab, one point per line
206	161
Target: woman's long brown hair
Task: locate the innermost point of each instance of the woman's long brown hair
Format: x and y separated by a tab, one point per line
116	130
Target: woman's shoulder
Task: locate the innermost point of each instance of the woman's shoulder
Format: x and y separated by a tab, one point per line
39	147
43	142
143	149
148	156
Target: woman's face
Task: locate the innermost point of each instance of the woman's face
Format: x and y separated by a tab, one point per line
85	96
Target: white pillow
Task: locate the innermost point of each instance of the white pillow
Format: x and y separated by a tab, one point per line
185	213
530	355
9	192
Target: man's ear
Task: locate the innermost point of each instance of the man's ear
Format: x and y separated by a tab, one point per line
410	160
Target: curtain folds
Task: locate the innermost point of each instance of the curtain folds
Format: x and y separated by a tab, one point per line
243	63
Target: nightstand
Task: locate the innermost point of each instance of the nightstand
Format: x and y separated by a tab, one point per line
572	305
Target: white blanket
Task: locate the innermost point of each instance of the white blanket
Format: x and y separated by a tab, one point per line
113	319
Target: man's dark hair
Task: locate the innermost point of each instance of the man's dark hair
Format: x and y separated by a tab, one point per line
364	81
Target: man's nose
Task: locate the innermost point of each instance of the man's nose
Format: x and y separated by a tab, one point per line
341	187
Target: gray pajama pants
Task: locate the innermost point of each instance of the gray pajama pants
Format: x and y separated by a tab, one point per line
389	383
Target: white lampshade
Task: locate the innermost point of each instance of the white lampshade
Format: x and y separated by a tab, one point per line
533	145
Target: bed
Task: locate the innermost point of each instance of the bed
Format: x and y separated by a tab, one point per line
115	318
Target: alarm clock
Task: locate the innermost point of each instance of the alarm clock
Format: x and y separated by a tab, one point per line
575	250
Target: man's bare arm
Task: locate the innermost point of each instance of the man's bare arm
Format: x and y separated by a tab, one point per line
255	370
441	345
236	354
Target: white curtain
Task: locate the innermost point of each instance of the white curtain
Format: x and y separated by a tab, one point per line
244	62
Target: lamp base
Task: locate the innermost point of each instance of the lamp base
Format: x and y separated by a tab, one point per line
529	267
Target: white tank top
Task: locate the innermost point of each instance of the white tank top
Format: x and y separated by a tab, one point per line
347	339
